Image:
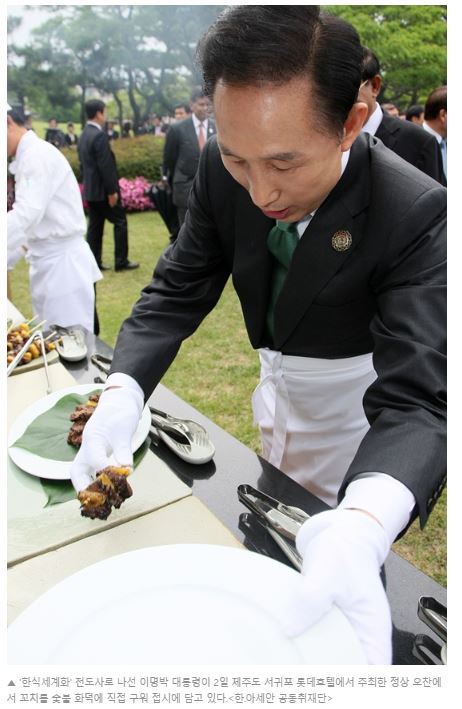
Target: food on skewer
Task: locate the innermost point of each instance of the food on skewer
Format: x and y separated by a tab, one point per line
79	418
108	490
16	338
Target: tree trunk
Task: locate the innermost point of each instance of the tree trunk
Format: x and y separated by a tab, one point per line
83	117
120	108
133	103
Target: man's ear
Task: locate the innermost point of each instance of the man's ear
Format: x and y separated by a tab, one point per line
353	124
376	85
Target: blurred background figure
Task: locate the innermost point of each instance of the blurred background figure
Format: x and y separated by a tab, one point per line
70	137
436	120
183	145
181	111
111	132
415	114
101	188
47	225
406	140
157	126
54	135
28	121
127	129
391	109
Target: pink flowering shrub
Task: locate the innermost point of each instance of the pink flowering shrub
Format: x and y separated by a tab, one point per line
132	194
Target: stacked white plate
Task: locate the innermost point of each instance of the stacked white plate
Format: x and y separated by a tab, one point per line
178	604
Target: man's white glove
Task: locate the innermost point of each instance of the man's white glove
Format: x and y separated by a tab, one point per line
108	431
343	551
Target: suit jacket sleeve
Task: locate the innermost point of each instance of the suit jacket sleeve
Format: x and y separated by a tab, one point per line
187	283
406	404
105	163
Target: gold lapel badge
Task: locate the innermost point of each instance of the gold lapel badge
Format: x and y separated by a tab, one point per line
342	240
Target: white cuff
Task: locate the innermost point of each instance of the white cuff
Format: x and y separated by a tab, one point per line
384	497
118	379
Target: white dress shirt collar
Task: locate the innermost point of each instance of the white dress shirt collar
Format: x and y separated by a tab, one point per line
429	129
303	223
93	123
375	119
197	123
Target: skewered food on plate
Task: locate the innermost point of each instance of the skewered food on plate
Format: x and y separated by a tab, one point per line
108	490
16	338
79	418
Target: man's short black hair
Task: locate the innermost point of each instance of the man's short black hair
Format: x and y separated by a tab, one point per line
17	115
196	94
272	44
371	64
437	100
93	106
414	112
184	106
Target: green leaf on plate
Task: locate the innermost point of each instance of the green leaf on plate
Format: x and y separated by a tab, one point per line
58	491
47	435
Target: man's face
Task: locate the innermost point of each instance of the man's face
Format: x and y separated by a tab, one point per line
200	108
269	144
180	114
53	123
418	119
100	117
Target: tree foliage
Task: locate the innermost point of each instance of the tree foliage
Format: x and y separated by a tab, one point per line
143	53
410	43
142	56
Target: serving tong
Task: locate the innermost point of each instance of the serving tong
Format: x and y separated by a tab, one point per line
434	615
187	439
36	335
281	521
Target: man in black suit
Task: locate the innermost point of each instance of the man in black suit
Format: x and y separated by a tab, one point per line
54	135
101	188
405	139
183	145
336	248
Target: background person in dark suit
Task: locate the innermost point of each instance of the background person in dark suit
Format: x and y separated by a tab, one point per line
183	144
101	188
54	135
336	248
406	140
71	138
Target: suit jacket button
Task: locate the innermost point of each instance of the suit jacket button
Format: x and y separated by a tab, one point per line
342	240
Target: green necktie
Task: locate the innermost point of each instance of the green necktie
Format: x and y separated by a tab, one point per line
282	240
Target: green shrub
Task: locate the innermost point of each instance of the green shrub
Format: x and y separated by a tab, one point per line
136	157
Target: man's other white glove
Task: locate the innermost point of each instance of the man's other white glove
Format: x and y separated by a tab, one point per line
343	551
109	431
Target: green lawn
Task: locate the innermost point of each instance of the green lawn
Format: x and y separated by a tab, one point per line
214	372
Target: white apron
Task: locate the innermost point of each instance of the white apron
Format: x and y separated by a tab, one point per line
311	416
62	273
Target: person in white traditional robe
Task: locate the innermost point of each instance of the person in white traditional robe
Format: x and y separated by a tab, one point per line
47	225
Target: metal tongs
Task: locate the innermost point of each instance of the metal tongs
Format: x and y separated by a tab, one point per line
281	521
103	363
434	615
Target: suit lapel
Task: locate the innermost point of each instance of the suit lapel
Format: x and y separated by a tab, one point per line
388	131
191	132
315	260
252	263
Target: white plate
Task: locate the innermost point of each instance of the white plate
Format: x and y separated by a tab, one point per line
179	604
48	467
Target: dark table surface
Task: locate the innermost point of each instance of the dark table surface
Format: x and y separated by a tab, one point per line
215	484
